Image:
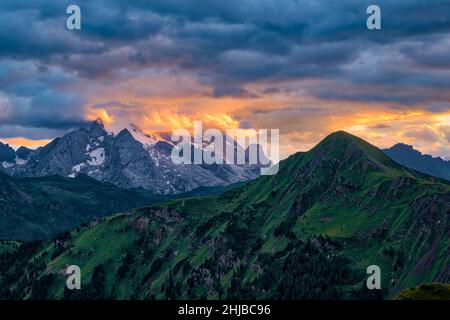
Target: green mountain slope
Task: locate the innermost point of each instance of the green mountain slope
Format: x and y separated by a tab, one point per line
308	232
40	208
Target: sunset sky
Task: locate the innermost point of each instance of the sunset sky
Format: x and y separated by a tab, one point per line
305	67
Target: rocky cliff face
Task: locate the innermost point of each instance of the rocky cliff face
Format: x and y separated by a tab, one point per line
130	159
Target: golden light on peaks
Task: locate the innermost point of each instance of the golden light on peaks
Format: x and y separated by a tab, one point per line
221	121
169	120
102	114
178	121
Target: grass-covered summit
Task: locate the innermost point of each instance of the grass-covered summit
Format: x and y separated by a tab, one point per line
308	232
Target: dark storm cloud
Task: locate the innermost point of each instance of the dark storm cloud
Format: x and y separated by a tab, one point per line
227	44
31	96
434	53
375	95
24	35
231	91
12	131
117	105
265	25
46	109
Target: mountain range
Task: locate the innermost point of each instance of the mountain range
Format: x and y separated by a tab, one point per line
308	232
409	157
134	159
130	159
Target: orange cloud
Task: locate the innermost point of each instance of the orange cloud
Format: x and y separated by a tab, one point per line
19	141
100	113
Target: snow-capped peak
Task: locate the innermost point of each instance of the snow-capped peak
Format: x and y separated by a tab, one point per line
148	140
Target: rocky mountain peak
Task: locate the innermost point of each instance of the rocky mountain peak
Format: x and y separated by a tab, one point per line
23	152
407	156
98	122
97	128
124	134
403	146
6	153
130	159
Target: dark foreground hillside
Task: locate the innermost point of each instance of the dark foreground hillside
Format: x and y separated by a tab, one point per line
308	232
40	208
407	156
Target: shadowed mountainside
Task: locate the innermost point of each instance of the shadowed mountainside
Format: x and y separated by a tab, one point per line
409	157
40	208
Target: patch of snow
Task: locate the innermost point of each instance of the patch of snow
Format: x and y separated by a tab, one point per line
91	172
78	167
20	161
88	147
155	159
7	165
97	157
72	175
146	139
101	139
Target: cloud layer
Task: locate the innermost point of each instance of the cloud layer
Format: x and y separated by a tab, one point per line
307	67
